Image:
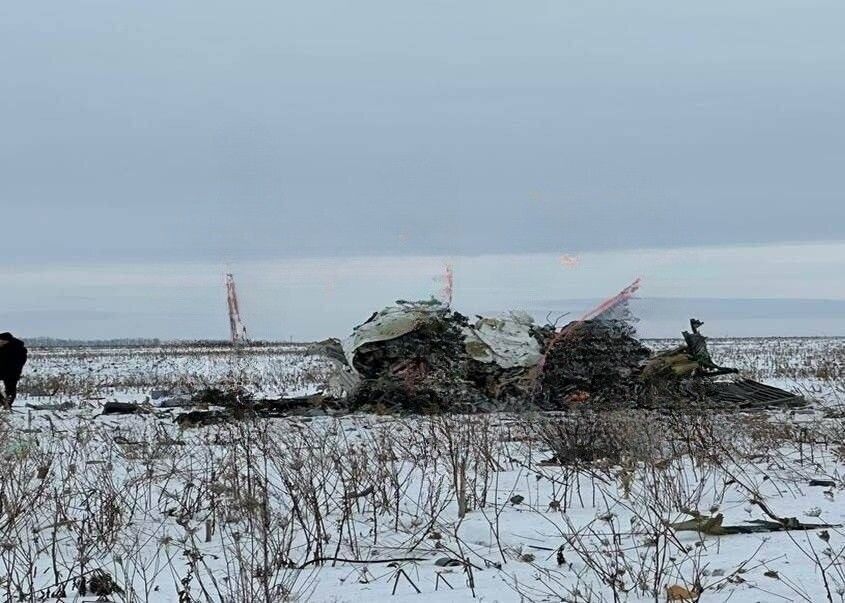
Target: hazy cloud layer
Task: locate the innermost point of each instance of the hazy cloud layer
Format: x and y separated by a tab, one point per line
309	299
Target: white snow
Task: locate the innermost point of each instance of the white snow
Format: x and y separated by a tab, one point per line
164	510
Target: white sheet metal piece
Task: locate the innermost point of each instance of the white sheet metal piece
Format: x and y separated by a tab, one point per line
390	323
504	341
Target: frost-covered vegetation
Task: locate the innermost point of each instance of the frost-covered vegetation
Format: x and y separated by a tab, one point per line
576	506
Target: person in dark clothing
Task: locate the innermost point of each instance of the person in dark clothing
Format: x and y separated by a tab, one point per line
12	360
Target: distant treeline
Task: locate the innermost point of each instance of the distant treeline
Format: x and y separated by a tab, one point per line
50	342
141	342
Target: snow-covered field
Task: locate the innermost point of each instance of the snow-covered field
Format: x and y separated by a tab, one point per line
412	509
98	373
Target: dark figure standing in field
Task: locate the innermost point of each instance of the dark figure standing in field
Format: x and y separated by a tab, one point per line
12	360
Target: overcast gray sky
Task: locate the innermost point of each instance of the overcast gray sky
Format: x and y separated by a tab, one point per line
211	131
146	145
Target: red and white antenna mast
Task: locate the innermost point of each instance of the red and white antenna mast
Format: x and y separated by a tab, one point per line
236	325
448	284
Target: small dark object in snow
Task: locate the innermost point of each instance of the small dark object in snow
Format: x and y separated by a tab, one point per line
202	418
517	499
825	483
121	408
561	560
102	584
314	405
214	396
98	583
51	407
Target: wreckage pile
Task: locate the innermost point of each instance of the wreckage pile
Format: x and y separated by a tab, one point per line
423	357
423	370
595	360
